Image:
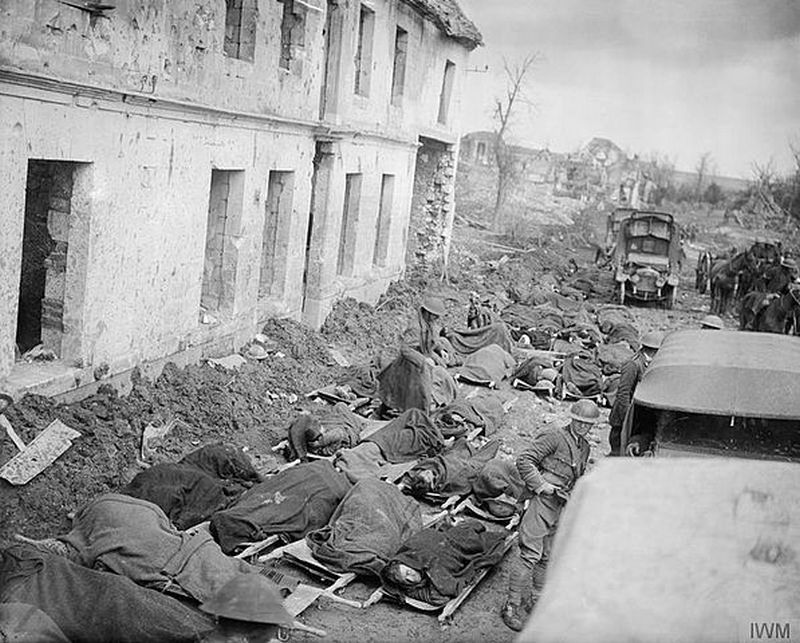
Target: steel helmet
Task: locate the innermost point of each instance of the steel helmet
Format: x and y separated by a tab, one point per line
585	411
788	262
549	374
652	340
544	385
433	305
249	597
712	321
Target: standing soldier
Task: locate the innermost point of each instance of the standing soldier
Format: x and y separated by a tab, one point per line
630	375
550	466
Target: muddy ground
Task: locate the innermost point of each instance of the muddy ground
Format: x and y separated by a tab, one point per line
252	407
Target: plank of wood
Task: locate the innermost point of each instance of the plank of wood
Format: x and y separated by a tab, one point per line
257	547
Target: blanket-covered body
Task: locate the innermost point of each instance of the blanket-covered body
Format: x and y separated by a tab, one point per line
88	605
448	557
366	529
293	502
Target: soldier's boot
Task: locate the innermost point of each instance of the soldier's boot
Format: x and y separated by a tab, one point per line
512	612
539	575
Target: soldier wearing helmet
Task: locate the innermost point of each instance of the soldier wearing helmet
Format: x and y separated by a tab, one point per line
549	467
711	322
431	311
630	376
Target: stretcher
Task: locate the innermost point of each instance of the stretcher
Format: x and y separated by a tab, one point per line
470	506
447	610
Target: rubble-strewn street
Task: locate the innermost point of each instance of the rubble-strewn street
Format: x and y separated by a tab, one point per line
251	407
399	320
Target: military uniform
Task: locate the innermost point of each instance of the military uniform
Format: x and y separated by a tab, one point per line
558	456
630	376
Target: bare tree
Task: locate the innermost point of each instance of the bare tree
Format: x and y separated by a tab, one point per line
505	108
704	169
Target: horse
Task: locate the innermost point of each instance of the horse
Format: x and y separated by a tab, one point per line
725	280
779	314
703	272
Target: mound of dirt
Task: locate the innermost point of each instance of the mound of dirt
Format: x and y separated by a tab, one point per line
251	407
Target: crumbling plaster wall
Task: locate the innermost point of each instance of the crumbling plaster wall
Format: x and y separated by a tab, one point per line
183	108
428	50
150	180
372	159
167	49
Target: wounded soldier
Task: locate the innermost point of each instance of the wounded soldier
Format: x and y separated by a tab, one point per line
337	429
367	528
451	473
44	597
439	562
134	538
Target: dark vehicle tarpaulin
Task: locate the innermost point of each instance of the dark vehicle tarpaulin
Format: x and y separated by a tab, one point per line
725	373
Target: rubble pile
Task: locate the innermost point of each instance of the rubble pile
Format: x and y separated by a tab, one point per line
250	407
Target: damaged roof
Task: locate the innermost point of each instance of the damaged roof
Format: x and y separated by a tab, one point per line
450	19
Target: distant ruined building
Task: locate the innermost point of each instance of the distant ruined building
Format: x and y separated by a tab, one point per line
176	172
599	170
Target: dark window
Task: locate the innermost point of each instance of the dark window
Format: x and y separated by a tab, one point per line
447	90
383	224
366	28
350	213
293	31
275	239
240	29
399	67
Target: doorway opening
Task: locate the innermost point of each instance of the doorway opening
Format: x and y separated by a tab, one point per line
56	199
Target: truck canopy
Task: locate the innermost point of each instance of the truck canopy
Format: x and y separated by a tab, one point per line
674	550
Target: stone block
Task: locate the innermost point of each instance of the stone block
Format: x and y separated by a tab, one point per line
58	224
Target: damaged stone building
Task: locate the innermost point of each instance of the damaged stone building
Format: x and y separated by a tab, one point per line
176	172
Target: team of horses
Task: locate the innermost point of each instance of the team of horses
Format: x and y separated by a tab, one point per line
743	277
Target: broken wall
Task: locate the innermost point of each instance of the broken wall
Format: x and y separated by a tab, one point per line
167	50
432	205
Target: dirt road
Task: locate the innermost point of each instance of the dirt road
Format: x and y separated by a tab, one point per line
252	407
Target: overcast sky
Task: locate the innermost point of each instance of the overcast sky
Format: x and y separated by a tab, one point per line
679	77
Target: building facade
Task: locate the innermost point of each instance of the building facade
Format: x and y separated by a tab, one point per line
176	172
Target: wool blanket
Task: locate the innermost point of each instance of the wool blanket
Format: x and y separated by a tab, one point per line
293	502
366	529
447	556
134	538
88	605
453	472
407	437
